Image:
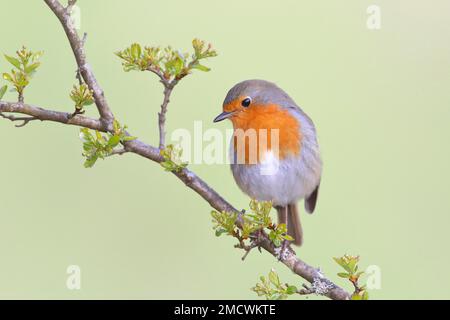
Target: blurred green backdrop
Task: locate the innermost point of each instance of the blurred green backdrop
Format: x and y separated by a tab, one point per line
380	100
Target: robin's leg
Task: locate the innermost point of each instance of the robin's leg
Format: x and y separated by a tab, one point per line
285	243
283	250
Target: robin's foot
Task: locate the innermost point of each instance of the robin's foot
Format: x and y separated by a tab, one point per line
283	251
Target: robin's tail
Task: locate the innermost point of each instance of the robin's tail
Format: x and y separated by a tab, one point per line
289	216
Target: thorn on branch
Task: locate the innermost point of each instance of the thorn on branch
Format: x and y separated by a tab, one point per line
256	239
83	40
247	248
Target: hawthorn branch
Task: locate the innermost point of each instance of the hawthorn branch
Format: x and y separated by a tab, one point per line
63	14
189	178
38	113
168	88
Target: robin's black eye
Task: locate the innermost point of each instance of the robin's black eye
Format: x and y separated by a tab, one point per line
246	102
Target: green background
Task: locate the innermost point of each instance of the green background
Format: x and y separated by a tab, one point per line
380	101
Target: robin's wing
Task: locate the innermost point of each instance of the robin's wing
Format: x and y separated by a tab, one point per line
311	200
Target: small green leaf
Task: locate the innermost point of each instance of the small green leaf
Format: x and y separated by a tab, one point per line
32	67
291	289
35	56
343	262
355	297
129	138
201	67
220	231
343	275
358	274
273	277
3	91
116	125
113	141
99	135
365	295
282	228
13	61
89	163
136	50
362	295
8	77
272	235
288	237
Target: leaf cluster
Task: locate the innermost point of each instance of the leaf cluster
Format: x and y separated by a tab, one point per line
278	234
272	289
257	220
169	63
172	156
224	223
97	145
350	265
82	96
25	65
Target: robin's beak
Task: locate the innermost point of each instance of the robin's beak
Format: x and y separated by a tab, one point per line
224	115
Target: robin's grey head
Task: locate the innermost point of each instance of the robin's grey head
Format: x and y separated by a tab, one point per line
253	92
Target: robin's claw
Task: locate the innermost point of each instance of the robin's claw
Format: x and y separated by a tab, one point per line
283	251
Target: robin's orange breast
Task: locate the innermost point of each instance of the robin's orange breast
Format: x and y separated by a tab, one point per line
271	125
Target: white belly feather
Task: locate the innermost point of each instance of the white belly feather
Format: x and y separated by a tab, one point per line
281	181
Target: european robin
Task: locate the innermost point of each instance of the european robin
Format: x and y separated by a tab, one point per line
261	106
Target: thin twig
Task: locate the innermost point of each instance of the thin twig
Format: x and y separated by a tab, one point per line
248	249
162	115
118	152
14	118
78	77
357	288
37	113
76	112
160	75
83	40
168	87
